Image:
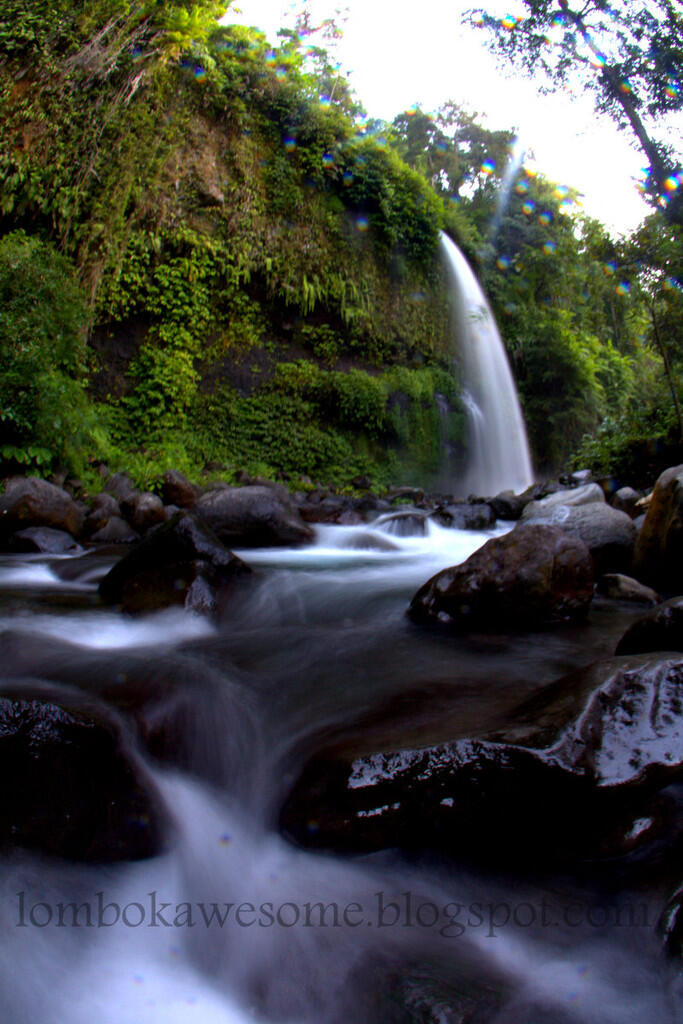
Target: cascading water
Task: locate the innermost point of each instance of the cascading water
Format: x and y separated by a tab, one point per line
498	451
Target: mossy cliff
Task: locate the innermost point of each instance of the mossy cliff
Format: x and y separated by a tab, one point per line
261	278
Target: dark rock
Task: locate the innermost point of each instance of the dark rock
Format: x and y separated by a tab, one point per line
148	511
105	505
659	630
508	505
176	489
466	516
408	523
28	501
253	517
575	779
324	510
361	483
181	562
73	786
367	542
639	521
530	576
623	588
122	488
44	539
625	500
115	531
608	534
658	556
414	494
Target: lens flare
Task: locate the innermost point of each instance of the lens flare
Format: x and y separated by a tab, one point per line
545	218
503	263
549	248
290	144
328	160
609	268
671	184
623	288
362	223
488	167
522	187
561	192
528	207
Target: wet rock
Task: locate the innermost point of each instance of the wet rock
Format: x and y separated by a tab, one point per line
72	784
581	476
176	489
533	575
466	516
624	588
586	495
508	505
407	523
575	778
670	926
326	509
181	562
658	556
365	541
148	511
412	494
625	500
31	502
252	516
115	531
659	630
44	539
608	534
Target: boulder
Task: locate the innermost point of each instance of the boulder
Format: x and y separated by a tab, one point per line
531	576
623	588
181	562
608	534
115	531
73	786
252	516
45	540
28	501
122	488
148	511
176	489
625	500
587	495
508	505
576	778
659	630
466	516
658	556
670	926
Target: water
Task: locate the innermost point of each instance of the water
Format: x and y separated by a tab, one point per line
315	647
498	451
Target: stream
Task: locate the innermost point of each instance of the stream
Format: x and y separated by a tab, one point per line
226	926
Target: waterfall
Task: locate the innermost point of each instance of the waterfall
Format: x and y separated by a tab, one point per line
498	456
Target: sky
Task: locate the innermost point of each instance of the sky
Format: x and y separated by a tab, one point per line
396	54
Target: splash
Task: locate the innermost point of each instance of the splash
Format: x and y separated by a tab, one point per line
498	450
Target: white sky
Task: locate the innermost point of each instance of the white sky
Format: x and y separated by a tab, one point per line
397	53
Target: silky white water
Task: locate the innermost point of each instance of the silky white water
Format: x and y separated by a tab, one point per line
498	452
318	638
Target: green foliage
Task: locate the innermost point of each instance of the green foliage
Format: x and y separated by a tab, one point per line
44	412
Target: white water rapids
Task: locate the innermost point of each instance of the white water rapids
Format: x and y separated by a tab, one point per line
318	638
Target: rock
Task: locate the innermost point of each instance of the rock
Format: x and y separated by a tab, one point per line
115	531
537	510
181	562
658	556
508	505
608	534
639	522
576	779
252	517
623	588
659	630
408	523
325	510
625	500
413	494
465	516
530	576
73	786
123	489
176	489
105	505
44	539
670	926
581	476
148	511
28	501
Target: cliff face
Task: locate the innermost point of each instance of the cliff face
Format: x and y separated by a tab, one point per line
243	245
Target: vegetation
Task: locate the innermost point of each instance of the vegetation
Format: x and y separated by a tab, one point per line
209	256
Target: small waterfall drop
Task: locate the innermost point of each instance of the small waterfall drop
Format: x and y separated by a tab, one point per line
498	456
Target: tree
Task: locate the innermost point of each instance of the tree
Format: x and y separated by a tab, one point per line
628	55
